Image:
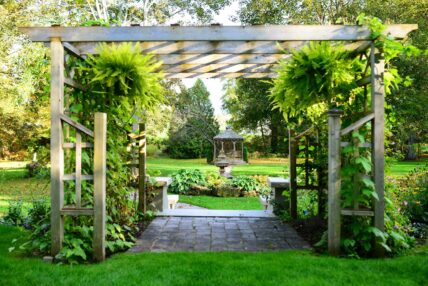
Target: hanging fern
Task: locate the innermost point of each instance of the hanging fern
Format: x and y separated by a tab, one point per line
122	70
316	74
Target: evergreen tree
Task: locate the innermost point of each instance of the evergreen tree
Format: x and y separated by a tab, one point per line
193	125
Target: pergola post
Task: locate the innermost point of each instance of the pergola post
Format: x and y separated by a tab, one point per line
100	174
377	65
292	160
334	126
142	200
57	153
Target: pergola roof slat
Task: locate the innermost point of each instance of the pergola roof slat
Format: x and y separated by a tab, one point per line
219	75
206	47
229	68
209	33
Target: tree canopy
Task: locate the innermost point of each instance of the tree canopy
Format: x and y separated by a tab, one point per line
193	125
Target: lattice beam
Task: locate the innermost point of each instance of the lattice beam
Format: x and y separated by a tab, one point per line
210	33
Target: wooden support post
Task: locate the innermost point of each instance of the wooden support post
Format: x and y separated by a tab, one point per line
293	173
57	153
100	170
142	200
334	125
378	154
78	182
320	179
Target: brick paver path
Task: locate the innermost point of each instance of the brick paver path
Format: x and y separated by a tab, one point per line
167	234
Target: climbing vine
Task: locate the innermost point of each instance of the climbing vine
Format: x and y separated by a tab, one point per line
325	75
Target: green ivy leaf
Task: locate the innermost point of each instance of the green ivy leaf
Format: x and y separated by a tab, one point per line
365	163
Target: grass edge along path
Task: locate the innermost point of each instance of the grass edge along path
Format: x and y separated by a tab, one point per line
222	203
221	268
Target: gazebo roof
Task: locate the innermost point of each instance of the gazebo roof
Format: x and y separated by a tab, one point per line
228	134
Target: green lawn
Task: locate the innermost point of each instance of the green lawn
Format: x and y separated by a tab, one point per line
271	167
401	168
227	268
14	185
218	203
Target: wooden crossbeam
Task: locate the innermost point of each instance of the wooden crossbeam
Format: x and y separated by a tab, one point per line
72	177
72	50
76	125
196	50
220	75
74	84
364	145
76	211
215	68
207	47
309	130
69	145
357	124
212	33
364	81
179	59
359	212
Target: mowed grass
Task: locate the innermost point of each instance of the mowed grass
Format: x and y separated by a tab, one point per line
219	203
269	167
401	168
215	268
15	185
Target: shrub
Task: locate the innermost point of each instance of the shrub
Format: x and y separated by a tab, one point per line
15	215
245	155
39	211
210	156
184	180
414	203
227	190
152	150
214	180
35	169
248	185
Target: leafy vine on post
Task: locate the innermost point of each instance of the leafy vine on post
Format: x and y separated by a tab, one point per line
121	82
321	76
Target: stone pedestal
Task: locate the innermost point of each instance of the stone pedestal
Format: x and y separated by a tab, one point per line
278	186
161	203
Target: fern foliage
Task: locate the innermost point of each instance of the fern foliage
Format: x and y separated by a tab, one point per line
122	70
317	73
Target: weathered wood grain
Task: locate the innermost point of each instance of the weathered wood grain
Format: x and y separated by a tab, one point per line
292	157
100	176
57	153
76	125
378	139
142	145
334	183
209	33
357	124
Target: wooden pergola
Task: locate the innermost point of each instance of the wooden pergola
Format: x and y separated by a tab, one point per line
209	52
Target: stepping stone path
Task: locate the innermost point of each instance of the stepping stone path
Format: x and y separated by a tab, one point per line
169	234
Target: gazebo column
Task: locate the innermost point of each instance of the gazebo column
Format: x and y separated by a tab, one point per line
234	150
214	151
57	154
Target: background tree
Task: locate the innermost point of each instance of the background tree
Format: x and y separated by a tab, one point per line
193	125
247	101
406	103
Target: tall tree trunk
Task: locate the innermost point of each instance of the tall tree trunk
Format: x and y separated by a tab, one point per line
274	137
411	152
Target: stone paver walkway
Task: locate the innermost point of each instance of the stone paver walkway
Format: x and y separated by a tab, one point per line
169	234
